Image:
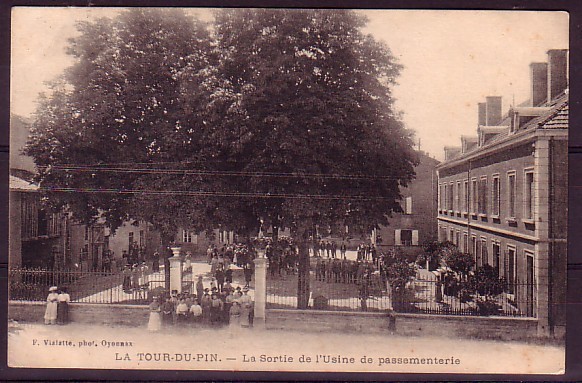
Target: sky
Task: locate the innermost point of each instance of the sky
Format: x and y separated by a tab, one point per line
452	60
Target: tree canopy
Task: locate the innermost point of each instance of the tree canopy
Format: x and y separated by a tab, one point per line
279	115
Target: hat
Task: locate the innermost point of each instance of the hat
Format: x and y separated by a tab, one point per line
246	289
53	288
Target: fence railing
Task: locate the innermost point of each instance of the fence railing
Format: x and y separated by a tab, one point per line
422	296
86	286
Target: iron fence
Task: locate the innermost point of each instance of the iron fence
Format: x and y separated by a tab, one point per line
86	286
334	293
422	296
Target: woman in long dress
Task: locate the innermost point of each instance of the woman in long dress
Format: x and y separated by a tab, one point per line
155	321
234	321
246	306
50	314
63	306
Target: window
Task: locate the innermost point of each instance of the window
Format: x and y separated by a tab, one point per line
459	197
130	236
141	238
186	236
510	269
496	256
465	243
87	233
442	233
408	205
482	194
484	254
511	187
474	245
496	185
451	235
445	197
441	197
458	239
451	196
465	194
406	237
529	194
474	195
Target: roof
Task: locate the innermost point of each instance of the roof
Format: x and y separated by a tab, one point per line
555	118
18	184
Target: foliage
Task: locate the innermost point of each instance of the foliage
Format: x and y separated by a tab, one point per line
287	118
460	263
398	271
434	253
120	104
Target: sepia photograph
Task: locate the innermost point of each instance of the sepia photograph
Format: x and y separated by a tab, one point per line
288	190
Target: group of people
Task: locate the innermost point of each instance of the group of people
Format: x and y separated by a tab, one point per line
57	306
329	249
239	254
282	258
134	277
366	252
342	270
209	306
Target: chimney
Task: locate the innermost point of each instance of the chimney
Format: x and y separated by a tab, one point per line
482	113
557	72
493	110
539	83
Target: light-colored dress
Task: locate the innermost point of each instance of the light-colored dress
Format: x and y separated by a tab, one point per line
155	321
234	322
50	314
246	304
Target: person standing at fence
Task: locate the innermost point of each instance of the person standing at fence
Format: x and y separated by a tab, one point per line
63	306
199	288
156	262
248	271
155	320
50	314
343	249
126	279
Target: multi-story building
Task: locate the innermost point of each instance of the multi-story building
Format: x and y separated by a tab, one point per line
503	194
409	229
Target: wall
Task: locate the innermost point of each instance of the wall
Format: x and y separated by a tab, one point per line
108	315
311	321
453	326
15	226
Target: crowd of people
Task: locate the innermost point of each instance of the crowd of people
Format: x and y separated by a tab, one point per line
230	306
135	277
57	306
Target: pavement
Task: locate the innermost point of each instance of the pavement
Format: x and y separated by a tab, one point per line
238	349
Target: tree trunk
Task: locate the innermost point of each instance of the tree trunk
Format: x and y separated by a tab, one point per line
303	287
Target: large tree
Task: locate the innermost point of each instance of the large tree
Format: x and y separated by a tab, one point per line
118	108
305	122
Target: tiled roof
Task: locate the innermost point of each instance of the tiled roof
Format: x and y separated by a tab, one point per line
18	184
558	119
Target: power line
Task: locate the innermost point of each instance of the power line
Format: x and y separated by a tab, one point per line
212	194
135	170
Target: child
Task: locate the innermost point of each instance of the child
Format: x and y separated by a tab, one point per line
63	306
50	314
196	311
182	311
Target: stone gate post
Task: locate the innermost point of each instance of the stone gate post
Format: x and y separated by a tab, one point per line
260	289
175	270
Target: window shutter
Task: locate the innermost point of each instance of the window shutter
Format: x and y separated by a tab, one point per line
397	240
408	205
414	237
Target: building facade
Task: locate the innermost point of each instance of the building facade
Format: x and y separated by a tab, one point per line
410	229
502	195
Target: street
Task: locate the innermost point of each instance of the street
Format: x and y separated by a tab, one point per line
84	346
